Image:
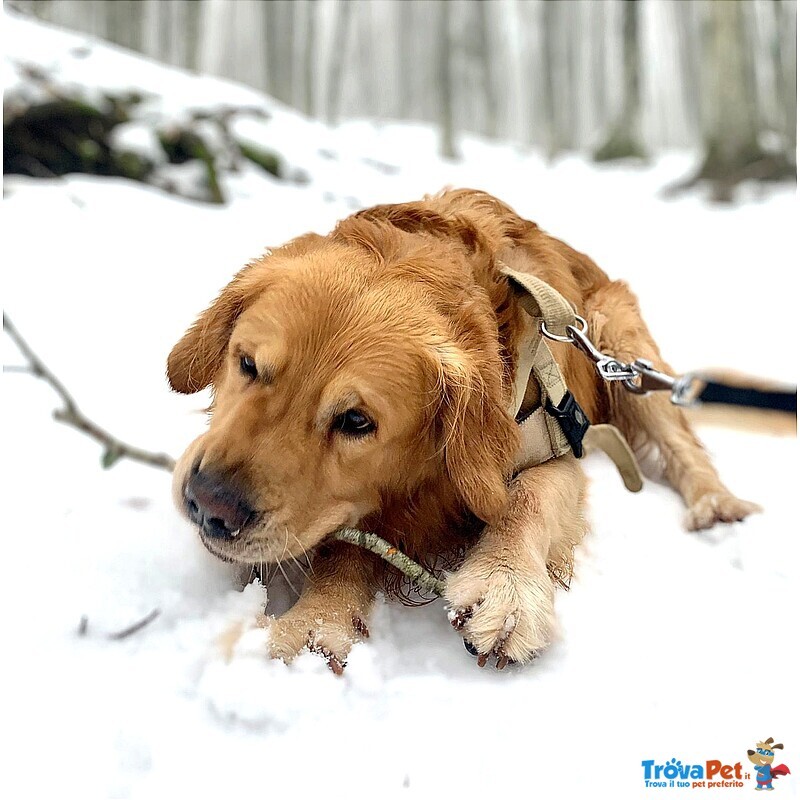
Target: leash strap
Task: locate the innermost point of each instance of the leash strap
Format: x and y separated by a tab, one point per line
748	397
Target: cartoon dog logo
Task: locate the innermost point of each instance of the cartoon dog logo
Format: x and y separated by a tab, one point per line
762	757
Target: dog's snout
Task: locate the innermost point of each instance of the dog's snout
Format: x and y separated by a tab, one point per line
216	505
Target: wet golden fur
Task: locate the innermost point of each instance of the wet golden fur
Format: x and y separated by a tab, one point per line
401	311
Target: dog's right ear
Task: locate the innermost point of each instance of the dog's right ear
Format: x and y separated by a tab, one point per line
197	357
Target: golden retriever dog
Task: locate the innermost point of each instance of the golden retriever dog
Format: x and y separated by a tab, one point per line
363	379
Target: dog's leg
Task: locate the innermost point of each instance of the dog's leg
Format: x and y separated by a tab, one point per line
501	599
617	328
331	613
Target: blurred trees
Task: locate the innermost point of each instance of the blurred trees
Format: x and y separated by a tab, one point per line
616	78
735	142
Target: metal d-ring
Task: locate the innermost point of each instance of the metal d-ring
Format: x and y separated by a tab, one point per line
584	326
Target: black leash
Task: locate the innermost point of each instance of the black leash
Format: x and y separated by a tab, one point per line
728	395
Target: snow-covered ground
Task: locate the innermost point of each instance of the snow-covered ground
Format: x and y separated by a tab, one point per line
673	645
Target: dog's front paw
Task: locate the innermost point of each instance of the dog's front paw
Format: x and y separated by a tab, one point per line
329	633
718	507
501	611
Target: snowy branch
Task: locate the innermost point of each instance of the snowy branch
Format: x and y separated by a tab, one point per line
70	414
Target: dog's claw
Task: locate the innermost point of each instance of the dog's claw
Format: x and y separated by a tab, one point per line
361	627
482	659
335	664
460	617
502	661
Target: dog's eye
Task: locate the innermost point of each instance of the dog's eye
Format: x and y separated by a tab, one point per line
353	423
248	367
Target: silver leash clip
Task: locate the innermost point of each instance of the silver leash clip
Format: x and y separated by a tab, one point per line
609	368
639	377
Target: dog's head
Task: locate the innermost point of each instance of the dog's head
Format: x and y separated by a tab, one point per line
344	372
764	752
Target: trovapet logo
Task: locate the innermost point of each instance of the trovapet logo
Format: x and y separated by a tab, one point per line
716	774
674	774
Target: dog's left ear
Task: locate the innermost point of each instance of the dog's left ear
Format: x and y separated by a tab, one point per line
480	438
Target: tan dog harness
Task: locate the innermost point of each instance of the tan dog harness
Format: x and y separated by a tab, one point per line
558	425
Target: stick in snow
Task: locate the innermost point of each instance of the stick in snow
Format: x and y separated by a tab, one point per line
136	627
70	414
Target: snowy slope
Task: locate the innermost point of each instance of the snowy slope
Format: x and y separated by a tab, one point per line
673	645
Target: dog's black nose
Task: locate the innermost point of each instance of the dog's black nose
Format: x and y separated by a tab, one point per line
216	505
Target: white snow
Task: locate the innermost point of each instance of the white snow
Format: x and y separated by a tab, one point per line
673	645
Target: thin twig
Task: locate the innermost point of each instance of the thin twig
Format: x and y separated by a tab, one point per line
374	543
136	627
70	414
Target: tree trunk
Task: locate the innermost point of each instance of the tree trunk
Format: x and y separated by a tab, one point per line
309	57
341	35
447	140
487	64
624	141
550	53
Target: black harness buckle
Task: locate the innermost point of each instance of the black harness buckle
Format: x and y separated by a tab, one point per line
572	419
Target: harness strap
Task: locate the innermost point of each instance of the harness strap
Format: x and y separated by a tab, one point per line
541	300
609	439
544	432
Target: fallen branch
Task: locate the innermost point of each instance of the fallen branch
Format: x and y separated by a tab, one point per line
70	414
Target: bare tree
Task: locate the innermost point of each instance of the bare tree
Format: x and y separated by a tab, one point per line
310	57
339	52
447	145
550	77
625	138
489	68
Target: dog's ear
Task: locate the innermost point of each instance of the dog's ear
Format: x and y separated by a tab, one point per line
480	438
197	357
778	746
